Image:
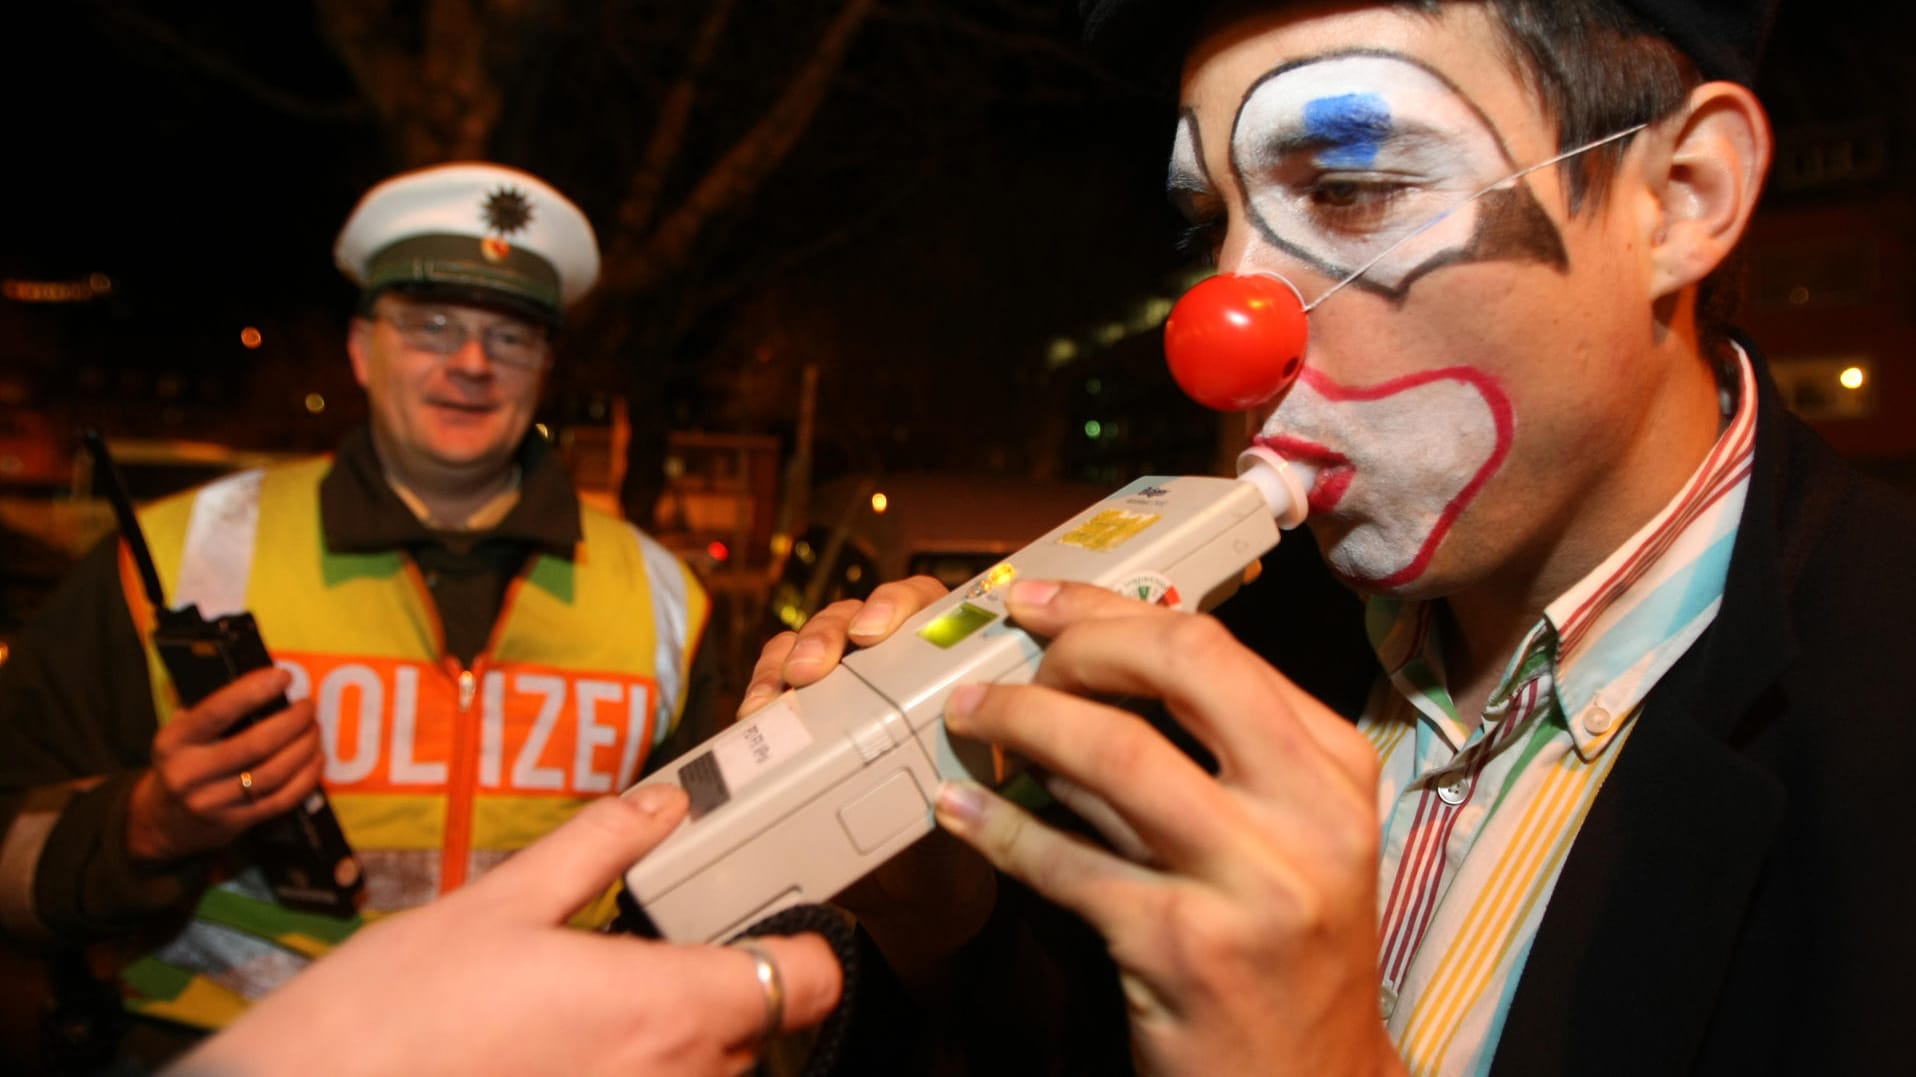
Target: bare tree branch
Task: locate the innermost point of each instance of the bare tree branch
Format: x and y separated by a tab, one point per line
158	34
636	263
461	100
437	103
1047	48
361	36
641	201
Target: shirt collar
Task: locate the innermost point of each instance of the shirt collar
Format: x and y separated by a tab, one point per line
361	512
1610	636
484	518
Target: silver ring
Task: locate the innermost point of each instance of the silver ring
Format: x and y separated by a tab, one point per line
769	982
246	785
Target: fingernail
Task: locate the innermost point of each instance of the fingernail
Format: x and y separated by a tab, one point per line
754	699
1033	592
964	699
874	618
961	803
807	651
651	798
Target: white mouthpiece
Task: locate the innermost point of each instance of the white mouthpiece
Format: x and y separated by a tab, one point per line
1286	486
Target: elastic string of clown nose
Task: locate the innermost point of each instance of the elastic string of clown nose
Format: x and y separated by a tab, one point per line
1236	341
1445	215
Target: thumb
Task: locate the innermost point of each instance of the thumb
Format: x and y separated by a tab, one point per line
1047	607
555	876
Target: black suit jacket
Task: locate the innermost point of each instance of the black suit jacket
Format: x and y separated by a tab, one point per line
1741	898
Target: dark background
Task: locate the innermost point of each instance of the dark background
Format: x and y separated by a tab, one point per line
970	191
965	240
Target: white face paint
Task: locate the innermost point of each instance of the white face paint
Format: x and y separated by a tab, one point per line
1362	161
1468	395
1345	158
1396	463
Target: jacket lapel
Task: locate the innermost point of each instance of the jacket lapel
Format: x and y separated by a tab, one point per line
1629	959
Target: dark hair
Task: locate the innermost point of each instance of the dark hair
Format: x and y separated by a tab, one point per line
1598	67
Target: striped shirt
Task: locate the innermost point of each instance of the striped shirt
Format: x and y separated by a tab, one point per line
1478	816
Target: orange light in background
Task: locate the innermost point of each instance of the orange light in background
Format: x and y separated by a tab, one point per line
880	502
717	550
250	337
47	291
315	403
1852	377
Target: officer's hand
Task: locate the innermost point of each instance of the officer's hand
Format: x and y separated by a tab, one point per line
489	979
796	659
204	789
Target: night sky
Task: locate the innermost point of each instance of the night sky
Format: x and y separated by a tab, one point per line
969	191
949	209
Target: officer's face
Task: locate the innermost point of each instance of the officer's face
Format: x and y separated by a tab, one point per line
452	388
1476	387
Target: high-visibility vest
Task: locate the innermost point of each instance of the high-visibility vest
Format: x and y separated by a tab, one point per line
436	771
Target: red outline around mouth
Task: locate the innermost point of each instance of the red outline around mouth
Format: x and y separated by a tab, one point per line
1335	473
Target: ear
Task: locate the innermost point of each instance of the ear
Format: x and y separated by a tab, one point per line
1707	181
359	348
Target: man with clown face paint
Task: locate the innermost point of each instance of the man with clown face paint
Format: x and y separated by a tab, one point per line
1622	797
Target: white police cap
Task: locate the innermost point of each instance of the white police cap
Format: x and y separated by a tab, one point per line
474	230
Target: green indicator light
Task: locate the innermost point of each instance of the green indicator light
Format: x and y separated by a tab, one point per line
948	630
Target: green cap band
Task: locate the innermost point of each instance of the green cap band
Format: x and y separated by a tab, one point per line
461	262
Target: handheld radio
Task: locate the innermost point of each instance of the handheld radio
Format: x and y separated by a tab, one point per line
303	853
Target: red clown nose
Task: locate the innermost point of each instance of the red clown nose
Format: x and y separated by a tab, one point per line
1234	342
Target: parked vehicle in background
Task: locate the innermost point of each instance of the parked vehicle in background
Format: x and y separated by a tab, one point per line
867	529
50	518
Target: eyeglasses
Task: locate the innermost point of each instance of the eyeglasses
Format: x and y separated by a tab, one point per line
510	344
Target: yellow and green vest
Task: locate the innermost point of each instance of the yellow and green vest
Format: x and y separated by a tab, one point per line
436	772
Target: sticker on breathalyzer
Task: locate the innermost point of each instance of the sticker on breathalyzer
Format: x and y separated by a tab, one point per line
1153	588
1109	529
746	751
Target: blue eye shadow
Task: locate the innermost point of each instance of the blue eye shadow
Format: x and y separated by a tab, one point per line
1350	127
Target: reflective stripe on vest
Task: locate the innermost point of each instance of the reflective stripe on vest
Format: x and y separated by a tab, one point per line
669	626
218	558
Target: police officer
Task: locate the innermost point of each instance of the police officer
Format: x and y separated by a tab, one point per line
472	654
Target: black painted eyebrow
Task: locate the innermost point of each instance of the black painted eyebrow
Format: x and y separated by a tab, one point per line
1186	181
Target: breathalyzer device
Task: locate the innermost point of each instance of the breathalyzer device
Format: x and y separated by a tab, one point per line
801	798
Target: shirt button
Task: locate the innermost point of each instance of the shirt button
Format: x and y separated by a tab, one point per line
1596	721
1386	1002
1453	793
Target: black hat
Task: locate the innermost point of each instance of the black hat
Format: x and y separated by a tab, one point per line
1148	37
